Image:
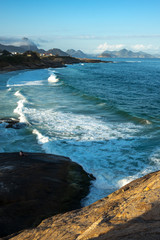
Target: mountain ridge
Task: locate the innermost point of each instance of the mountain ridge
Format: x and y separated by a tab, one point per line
124	53
27	45
78	53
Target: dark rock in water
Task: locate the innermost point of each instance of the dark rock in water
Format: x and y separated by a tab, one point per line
35	186
12	123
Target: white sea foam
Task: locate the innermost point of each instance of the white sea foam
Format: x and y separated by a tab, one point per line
31	83
33	77
113	152
41	139
20	107
53	79
105	150
155	157
134	61
80	127
125	181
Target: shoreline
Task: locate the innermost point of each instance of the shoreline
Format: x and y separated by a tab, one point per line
132	212
35	186
40	63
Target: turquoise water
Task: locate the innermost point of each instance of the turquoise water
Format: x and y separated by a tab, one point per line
105	117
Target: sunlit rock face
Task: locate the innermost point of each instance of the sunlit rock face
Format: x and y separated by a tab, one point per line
132	212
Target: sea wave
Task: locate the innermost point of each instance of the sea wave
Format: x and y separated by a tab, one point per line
106	150
27	78
53	78
41	138
154	160
81	119
20	107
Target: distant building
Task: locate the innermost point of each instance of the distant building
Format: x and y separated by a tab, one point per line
47	54
15	53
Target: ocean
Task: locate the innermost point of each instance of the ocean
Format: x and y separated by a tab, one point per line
104	116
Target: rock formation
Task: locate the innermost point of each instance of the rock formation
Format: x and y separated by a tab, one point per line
76	54
34	186
31	60
124	53
12	123
130	213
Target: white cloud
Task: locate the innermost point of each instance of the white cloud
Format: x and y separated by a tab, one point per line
111	47
16	41
142	47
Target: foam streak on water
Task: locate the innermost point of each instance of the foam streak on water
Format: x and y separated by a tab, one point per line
108	151
19	109
52	78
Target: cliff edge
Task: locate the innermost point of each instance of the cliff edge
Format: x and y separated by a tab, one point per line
132	212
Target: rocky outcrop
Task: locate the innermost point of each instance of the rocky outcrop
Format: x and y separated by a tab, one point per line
34	186
11	123
76	54
124	53
89	60
132	212
31	60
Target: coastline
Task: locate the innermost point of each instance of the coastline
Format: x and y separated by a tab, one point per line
132	212
35	186
8	65
121	214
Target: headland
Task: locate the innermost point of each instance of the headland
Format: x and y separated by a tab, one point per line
32	60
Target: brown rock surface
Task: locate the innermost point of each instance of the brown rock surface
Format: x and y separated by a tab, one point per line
132	212
36	186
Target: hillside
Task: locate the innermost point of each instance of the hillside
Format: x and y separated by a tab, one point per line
32	60
24	45
124	53
11	48
57	51
77	54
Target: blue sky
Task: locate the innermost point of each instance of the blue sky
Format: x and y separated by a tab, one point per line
90	25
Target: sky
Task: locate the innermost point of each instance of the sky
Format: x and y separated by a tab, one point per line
90	25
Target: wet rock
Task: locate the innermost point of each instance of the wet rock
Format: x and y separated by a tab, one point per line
12	123
34	186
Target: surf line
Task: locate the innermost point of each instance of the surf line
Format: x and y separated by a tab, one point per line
20	107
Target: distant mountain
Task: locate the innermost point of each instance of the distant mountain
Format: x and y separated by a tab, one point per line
105	54
124	53
57	51
11	48
157	55
28	45
76	54
23	45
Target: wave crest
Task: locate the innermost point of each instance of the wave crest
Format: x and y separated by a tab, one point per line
53	79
